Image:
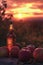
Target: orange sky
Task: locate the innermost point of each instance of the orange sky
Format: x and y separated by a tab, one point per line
25	8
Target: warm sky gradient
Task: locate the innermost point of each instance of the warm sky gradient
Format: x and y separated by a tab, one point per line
25	8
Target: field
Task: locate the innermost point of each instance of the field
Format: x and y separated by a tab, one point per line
25	31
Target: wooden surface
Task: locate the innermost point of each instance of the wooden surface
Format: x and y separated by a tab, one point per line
14	61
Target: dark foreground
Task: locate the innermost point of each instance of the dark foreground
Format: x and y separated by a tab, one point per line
14	61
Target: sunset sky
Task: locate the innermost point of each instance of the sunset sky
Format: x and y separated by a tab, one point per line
25	8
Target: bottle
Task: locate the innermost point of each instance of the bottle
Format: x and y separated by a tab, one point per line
11	37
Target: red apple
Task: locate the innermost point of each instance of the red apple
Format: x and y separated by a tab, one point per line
24	54
38	54
14	51
31	47
4	52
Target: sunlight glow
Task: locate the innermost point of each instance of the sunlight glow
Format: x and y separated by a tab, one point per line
22	16
9	43
25	10
14	4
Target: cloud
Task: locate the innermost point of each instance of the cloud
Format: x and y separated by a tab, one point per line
38	5
25	1
31	7
38	13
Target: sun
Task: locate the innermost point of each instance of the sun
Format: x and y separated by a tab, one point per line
18	16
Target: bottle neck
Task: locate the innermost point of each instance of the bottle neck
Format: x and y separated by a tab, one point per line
11	27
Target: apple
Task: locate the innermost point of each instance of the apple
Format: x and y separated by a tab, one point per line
38	54
31	47
4	52
14	51
24	54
